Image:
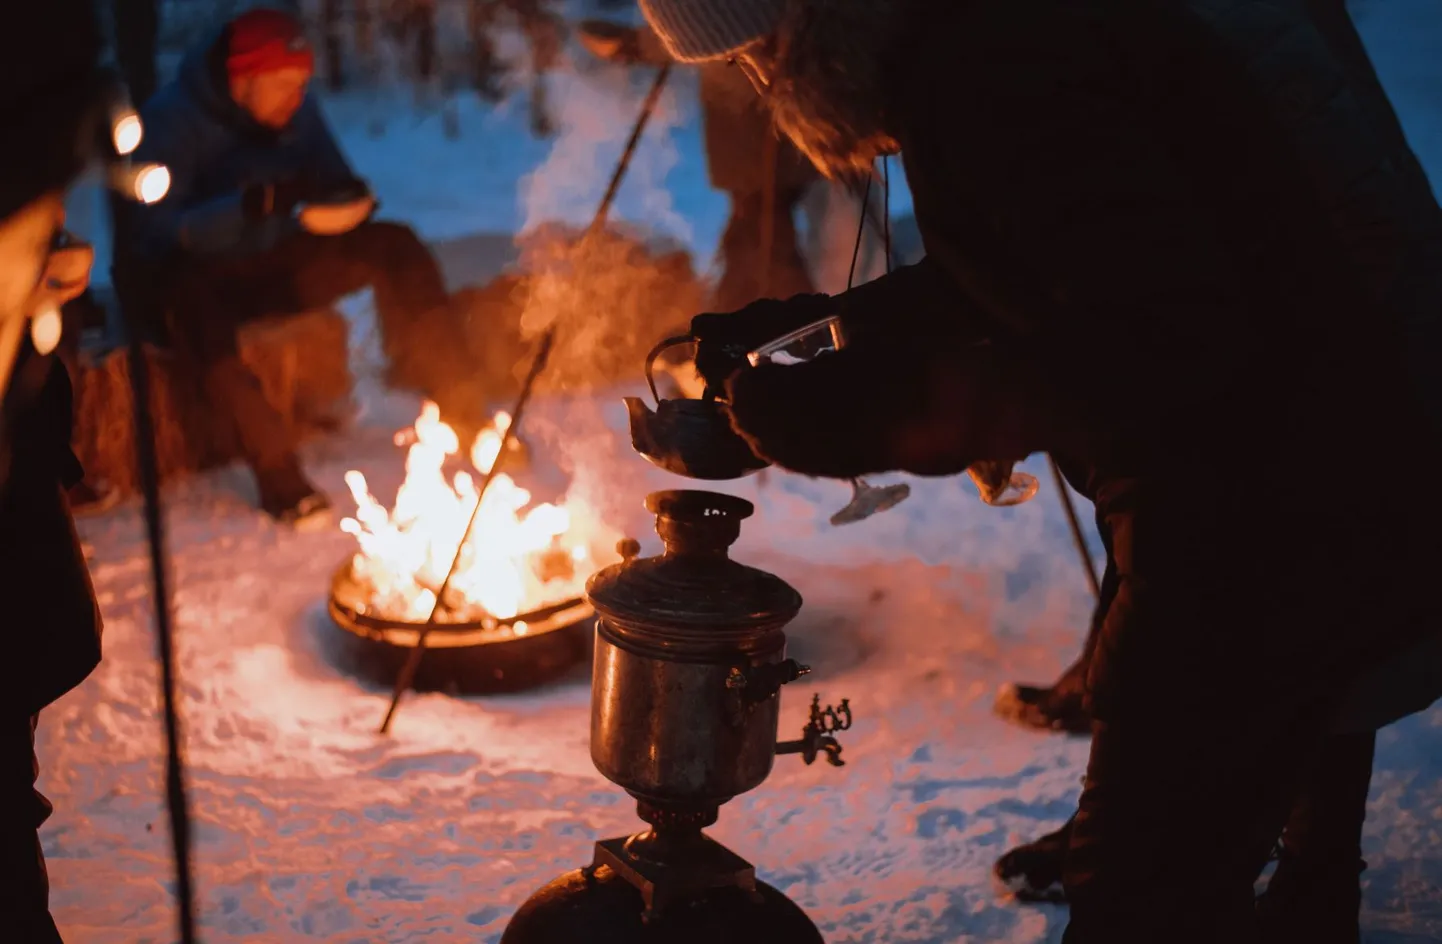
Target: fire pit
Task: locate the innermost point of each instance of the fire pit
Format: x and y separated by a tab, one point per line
513	615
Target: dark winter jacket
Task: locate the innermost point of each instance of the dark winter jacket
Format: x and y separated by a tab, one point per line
52	620
1165	239
214	150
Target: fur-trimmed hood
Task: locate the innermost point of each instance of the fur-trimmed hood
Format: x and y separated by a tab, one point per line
828	90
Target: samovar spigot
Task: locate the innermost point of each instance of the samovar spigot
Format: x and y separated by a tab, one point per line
818	736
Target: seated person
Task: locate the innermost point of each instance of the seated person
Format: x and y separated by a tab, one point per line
248	151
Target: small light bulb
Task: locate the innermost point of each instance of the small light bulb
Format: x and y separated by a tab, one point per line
152	183
127	132
45	329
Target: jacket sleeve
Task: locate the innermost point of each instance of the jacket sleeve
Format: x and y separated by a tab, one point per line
922	299
1136	309
323	158
175	137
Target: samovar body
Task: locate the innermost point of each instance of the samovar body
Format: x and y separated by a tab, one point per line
690	654
689	662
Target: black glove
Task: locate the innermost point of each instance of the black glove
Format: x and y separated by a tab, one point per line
724	340
890	407
836	416
276	197
343	190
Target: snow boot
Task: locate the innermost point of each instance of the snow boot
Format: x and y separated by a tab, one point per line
1304	904
1033	871
92	498
289	497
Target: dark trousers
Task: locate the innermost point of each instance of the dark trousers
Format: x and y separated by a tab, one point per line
751	269
1216	693
209	300
26	889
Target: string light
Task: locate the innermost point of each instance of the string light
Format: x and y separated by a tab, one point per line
152	183
45	329
126	131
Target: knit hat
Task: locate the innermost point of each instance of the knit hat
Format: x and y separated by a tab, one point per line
697	30
265	41
53	97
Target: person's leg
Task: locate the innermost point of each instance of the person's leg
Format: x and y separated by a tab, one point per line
388	258
1150	782
1062	706
1314	895
423	335
207	307
26	887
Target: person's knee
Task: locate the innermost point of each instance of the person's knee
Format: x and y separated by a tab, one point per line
383	241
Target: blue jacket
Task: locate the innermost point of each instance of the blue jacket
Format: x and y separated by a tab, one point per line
214	150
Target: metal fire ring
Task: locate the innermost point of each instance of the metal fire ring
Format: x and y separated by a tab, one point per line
347	606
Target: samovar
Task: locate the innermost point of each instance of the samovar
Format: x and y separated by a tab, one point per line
690	657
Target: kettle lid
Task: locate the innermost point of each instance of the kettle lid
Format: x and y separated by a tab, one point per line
693	587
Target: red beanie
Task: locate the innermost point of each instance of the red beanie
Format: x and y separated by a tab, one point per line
266	40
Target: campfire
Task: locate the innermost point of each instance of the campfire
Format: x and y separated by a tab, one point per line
520	559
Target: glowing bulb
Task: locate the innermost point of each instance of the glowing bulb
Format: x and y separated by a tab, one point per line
45	329
152	183
127	132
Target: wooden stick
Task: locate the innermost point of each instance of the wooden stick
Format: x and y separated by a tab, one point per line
1076	531
413	660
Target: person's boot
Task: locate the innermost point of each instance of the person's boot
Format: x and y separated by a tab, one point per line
87	498
285	493
1311	904
1059	707
1033	871
290	498
1315	894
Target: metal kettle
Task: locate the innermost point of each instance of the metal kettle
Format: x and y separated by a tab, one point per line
690	438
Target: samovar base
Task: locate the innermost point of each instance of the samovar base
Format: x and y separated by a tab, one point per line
706	866
599	905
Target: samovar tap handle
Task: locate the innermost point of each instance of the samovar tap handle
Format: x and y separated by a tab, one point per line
818	736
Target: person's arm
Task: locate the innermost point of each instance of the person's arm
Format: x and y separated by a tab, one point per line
1035	163
921	299
1138	310
226	222
325	163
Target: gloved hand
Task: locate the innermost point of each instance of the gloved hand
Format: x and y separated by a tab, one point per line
276	197
836	416
344	190
884	407
724	340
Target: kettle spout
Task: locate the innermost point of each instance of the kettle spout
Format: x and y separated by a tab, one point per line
642	417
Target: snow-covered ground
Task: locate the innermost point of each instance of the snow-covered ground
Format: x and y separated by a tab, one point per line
311	827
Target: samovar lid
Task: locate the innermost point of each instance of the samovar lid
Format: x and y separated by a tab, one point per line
693	586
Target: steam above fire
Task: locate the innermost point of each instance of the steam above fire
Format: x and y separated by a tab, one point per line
519	557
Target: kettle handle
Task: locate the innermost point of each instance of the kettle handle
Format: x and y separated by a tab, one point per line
656	352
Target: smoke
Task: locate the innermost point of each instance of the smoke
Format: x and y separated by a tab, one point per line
608	298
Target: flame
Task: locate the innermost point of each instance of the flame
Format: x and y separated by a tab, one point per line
518	557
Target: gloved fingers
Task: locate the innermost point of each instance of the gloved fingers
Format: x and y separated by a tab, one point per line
814	418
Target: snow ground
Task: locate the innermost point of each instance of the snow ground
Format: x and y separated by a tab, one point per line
310	827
